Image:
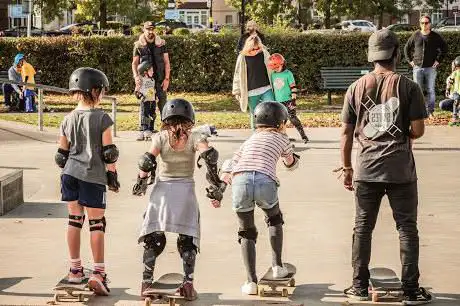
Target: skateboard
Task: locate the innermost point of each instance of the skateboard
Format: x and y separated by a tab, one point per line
165	288
277	283
64	290
384	285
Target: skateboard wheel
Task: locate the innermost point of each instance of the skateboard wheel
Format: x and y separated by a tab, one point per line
292	283
261	292
80	298
285	292
56	298
375	297
148	301
172	302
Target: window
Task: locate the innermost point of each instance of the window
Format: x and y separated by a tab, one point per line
204	18
228	19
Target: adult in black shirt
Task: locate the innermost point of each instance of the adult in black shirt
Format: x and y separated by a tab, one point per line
151	47
424	51
251	29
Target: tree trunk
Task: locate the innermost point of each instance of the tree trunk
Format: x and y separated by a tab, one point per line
380	20
327	15
103	14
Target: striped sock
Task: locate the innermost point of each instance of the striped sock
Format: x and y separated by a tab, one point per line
99	267
75	264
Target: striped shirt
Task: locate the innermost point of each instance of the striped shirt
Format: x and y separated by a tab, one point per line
261	153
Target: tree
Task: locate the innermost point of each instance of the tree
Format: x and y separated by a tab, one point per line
267	11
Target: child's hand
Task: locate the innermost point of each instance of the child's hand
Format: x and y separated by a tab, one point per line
294	96
447	93
215	203
227	178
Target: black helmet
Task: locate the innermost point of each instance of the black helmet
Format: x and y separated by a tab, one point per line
457	61
270	114
178	107
143	67
85	79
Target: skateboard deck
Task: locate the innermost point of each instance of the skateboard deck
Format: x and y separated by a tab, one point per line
277	285
71	292
384	285
165	288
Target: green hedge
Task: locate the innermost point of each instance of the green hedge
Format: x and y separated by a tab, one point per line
200	62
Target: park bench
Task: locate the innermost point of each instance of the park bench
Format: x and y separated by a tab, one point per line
4	75
340	78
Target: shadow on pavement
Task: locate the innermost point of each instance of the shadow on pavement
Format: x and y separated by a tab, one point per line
38	210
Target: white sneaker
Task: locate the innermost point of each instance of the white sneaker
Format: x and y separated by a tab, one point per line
249	288
280	272
140	136
148	134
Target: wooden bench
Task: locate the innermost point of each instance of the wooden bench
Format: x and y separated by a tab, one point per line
340	78
11	190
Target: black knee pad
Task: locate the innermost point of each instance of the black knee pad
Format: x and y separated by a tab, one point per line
275	220
97	225
155	241
73	221
249	233
185	244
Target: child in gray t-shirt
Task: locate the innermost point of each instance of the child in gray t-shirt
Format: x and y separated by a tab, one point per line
87	157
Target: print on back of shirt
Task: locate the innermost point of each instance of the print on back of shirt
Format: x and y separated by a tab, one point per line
381	117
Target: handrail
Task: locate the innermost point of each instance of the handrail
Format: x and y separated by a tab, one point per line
42	88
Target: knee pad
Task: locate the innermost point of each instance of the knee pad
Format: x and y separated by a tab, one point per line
250	234
74	221
155	241
185	244
275	220
97	225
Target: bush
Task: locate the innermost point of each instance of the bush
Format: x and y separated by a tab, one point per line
202	63
137	30
181	32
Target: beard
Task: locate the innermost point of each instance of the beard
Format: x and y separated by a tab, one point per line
150	37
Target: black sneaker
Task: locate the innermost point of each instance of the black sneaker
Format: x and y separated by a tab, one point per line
305	139
356	294
417	297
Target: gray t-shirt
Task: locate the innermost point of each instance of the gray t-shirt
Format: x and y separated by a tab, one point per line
83	129
381	106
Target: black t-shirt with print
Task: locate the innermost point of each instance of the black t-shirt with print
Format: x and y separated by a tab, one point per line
381	106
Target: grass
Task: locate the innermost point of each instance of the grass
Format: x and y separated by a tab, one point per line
219	109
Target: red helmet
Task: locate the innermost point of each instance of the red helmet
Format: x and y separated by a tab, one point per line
276	60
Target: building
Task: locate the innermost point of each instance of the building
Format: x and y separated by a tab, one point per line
198	12
4	14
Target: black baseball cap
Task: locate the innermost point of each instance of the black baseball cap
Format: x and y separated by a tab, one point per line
382	44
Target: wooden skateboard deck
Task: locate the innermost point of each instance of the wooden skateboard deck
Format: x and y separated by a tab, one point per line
166	288
274	283
72	292
384	285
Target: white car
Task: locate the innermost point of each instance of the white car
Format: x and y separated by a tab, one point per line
358	26
196	27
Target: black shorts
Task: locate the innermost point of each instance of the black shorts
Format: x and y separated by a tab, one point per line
87	194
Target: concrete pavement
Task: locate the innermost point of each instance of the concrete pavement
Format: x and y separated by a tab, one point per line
318	214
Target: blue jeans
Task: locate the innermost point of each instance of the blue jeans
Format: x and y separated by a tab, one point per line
251	188
253	101
29	100
426	78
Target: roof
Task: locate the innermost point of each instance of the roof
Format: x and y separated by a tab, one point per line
193	6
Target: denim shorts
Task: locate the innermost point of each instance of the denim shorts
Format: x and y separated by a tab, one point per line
87	194
251	188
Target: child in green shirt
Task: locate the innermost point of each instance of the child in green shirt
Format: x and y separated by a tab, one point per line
285	90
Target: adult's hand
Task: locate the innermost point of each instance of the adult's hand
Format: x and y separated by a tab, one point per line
348	179
165	84
412	64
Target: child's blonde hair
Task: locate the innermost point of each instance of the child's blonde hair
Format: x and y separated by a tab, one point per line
251	43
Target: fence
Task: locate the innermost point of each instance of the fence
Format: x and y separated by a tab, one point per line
42	88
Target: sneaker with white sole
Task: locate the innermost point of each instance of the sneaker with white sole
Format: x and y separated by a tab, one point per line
140	136
76	276
249	288
148	135
98	283
417	297
279	272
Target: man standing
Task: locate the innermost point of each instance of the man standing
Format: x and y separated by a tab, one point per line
14	74
151	47
424	51
251	29
385	112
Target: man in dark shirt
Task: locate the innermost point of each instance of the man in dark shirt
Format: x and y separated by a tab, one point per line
424	51
151	48
251	29
385	112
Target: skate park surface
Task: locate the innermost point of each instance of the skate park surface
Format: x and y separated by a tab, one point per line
318	214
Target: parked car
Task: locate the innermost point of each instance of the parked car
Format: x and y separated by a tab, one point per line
401	27
196	27
67	30
22	31
448	21
356	26
448	29
171	25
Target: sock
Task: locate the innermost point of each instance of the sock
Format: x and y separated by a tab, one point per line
75	264
248	249
276	242
149	260
99	267
188	260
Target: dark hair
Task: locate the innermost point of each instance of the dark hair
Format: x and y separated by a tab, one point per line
427	17
86	96
389	61
178	126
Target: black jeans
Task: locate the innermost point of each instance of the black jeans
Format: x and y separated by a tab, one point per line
403	200
161	95
147	115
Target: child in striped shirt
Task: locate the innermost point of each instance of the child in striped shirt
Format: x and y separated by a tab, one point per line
252	173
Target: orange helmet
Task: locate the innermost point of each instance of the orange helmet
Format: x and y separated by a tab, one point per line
276	60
